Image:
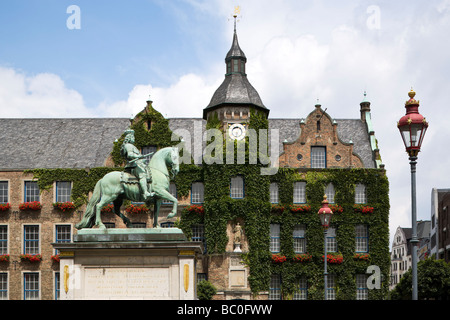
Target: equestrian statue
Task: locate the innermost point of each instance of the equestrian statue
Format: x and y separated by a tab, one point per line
139	182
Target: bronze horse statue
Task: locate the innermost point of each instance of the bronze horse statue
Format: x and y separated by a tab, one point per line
118	185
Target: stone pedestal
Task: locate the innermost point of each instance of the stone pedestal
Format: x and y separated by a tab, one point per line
133	264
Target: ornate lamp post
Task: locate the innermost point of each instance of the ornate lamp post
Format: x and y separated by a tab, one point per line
325	214
412	128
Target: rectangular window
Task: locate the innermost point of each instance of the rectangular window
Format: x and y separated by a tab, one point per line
31	239
197	192
4	198
237	187
198	235
300	192
302	290
360	194
362	238
362	292
3	286
331	240
148	149
235	65
172	191
331	287
318	157
274	192
63	233
31	286
31	191
299	239
3	239
57	284
275	241
63	191
275	287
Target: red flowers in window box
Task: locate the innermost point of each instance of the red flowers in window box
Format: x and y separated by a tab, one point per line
195	209
33	205
31	257
336	209
107	208
300	208
55	258
137	208
277	208
335	258
4	257
302	257
64	206
4	206
361	256
362	208
277	258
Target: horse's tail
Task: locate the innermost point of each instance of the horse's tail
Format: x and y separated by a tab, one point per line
89	215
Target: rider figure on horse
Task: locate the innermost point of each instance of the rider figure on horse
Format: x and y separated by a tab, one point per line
135	163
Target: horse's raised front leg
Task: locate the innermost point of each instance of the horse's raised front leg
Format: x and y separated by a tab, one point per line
169	197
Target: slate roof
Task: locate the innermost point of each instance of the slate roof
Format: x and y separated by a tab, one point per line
81	143
58	143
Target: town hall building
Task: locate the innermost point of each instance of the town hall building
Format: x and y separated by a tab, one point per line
261	234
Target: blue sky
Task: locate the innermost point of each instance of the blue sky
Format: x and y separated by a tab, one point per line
298	52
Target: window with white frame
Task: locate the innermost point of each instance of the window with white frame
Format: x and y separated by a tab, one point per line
63	191
331	287
362	238
3	239
4	197
299	239
237	187
172	191
3	286
329	192
275	240
31	239
331	240
274	192
360	194
275	287
302	289
57	286
31	191
318	157
31	286
198	235
197	193
299	192
362	292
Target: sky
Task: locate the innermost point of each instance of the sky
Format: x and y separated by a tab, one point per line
105	58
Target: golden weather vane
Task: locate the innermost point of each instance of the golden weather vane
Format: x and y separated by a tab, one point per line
236	14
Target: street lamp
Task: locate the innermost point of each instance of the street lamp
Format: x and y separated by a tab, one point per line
325	214
412	128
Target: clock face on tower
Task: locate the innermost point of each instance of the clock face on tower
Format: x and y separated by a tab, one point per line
236	131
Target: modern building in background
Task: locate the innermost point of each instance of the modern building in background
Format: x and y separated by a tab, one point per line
440	224
261	233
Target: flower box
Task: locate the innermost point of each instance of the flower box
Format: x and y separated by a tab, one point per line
302	257
277	209
31	257
336	209
361	256
195	209
300	208
64	206
55	258
363	209
137	208
33	205
4	258
108	208
277	258
335	258
4	206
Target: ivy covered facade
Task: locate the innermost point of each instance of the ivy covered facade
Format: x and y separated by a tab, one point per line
277	253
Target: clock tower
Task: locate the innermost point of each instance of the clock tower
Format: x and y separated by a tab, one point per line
235	97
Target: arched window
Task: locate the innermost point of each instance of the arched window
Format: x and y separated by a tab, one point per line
329	192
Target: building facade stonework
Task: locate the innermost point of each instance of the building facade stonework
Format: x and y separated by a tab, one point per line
280	251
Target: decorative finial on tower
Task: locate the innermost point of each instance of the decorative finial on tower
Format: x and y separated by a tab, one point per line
411	100
236	14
